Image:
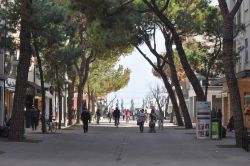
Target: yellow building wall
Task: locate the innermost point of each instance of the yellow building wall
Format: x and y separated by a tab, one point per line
244	87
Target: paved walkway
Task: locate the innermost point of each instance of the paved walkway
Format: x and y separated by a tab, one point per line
106	145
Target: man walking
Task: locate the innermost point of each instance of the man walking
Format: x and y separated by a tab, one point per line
34	117
98	115
116	115
85	116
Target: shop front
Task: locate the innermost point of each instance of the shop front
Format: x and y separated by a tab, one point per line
244	89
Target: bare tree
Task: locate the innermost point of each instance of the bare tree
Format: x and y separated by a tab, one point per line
159	95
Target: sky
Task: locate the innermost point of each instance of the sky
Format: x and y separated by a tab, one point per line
141	78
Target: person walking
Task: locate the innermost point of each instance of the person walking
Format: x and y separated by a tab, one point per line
160	120
116	115
127	116
152	120
109	116
141	119
85	117
34	117
98	115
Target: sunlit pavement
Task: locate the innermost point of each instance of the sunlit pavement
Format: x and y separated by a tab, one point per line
106	145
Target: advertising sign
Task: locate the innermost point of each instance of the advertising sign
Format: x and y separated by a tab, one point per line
203	123
215	130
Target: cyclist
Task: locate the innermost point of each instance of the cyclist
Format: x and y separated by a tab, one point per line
116	115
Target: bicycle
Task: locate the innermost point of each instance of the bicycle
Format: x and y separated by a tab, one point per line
52	126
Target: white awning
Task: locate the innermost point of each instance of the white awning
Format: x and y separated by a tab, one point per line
48	95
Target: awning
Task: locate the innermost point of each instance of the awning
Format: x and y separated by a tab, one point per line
239	75
48	95
34	85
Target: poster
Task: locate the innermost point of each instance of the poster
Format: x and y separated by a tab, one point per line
203	119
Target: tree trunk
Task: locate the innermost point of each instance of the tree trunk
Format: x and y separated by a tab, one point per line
60	107
228	62
50	109
17	118
92	101
89	98
59	98
189	72
206	85
160	107
166	105
71	90
172	98
176	83
44	130
83	75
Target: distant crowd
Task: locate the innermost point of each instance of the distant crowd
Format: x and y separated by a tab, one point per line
141	116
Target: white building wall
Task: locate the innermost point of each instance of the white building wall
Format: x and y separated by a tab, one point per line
242	41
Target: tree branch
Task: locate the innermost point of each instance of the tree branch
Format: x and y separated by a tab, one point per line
92	57
118	9
236	8
145	56
77	68
165	6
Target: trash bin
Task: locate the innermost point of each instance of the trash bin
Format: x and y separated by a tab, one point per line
215	128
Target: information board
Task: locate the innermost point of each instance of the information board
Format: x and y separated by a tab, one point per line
203	122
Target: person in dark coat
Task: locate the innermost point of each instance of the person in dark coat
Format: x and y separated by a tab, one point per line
116	115
98	115
85	117
152	120
34	117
